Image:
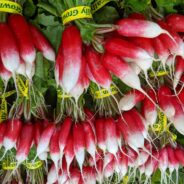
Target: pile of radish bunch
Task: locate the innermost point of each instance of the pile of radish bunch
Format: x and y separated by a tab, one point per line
19	43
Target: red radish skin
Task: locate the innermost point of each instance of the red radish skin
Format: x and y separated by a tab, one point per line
100	74
89	74
122	70
79	144
139	28
63	135
79	88
52	175
109	169
130	100
144	43
165	101
8	48
25	142
99	128
123	48
90	140
12	132
42	44
138	16
54	147
2	132
38	128
59	66
161	50
4	73
108	157
149	109
179	151
163	158
69	152
23	37
179	70
45	138
75	175
72	53
89	175
110	136
175	21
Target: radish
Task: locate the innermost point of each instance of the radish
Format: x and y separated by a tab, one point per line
72	53
69	152
75	175
54	148
24	142
179	151
22	68
161	50
12	132
45	138
173	162
90	140
144	43
100	74
100	171
42	44
2	132
130	100
179	70
77	91
178	118
4	73
175	21
137	16
109	169
110	136
89	175
163	162
59	67
135	68
52	175
123	48
89	74
38	128
63	135
149	109
99	128
8	48
79	144
139	28
23	37
165	101
118	137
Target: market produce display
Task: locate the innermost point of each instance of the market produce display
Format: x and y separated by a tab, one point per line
91	91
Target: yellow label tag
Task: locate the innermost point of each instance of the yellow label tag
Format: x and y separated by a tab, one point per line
34	165
9	166
3	110
158	74
161	124
23	88
7	94
10	7
103	93
125	180
79	12
60	94
98	4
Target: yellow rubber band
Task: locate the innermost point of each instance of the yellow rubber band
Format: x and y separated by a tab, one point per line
10	7
98	4
7	94
23	88
9	166
61	95
79	12
34	165
158	74
103	93
3	110
161	124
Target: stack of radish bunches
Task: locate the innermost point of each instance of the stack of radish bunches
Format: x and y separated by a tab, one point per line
138	135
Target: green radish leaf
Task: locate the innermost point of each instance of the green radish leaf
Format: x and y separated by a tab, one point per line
47	7
137	5
106	15
46	20
29	9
